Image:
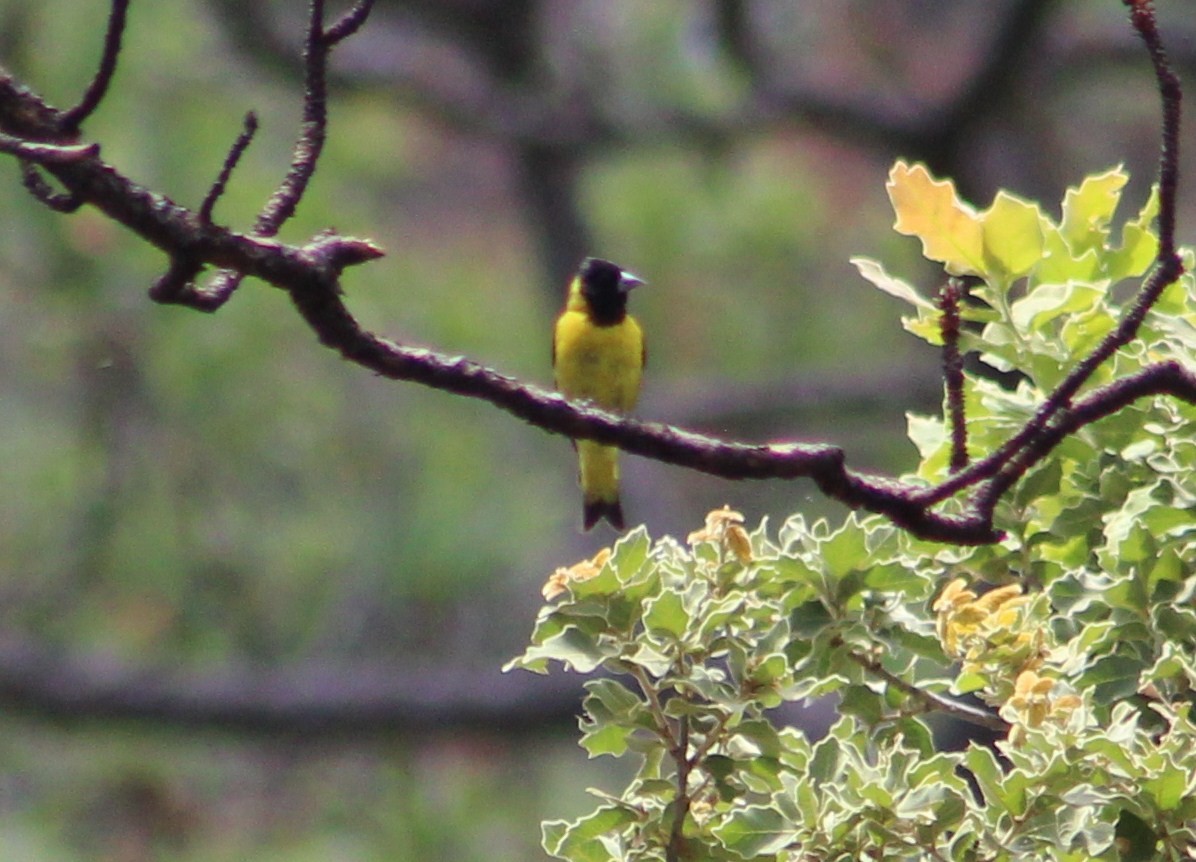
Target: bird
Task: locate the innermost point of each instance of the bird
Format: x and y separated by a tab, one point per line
598	356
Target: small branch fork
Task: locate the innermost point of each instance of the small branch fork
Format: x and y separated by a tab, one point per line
46	141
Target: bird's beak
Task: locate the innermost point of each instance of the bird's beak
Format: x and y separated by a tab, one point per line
628	282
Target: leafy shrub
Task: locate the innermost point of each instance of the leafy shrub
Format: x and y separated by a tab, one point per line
1074	636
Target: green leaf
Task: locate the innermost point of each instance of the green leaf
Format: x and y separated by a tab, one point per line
1113	678
1139	247
1088	209
966	683
999	788
579	841
1060	263
824	765
1012	236
599	739
807	621
666	615
603	585
774	667
616	699
630	554
573	647
914	733
1170	786
1049	301
1139	243
755	831
761	736
650	658
929	435
863	703
845	551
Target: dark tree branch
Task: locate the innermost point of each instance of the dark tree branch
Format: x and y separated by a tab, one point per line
1023	450
1143	18
675	850
1166	378
311	698
32	154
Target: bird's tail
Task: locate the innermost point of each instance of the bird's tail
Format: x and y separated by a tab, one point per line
599	476
594	511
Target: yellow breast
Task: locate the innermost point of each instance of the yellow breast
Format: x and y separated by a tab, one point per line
603	364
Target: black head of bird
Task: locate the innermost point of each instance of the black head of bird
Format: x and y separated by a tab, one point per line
605	286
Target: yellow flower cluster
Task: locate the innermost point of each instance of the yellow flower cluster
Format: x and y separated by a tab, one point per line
980	629
724	527
1034	703
559	580
1001	637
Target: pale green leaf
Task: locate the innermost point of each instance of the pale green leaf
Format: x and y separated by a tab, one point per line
610	739
571	646
579	841
754	831
1088	209
1013	236
666	615
1049	301
903	290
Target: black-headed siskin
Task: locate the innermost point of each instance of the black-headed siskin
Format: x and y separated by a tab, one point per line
598	356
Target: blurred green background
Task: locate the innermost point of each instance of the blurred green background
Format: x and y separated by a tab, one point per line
254	598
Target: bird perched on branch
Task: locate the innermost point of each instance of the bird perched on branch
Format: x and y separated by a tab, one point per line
598	356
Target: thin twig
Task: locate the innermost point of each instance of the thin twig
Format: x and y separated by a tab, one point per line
239	146
36	185
675	850
306	153
654	705
949	327
73	118
349	23
936	702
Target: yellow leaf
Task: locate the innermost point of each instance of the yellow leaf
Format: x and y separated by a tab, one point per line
929	209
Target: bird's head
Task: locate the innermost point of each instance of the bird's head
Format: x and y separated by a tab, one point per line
604	287
601	277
